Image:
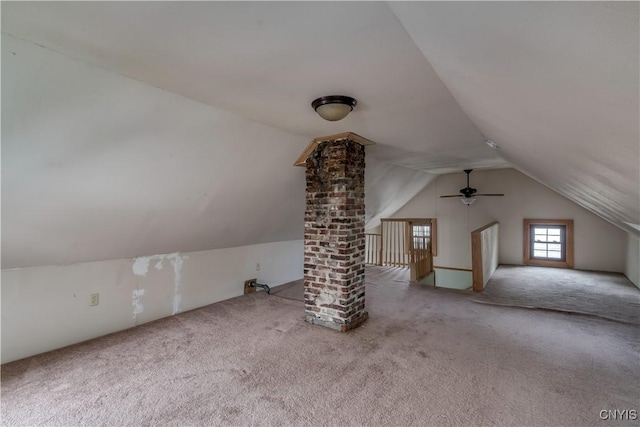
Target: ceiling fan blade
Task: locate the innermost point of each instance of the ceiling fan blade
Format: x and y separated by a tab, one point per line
468	192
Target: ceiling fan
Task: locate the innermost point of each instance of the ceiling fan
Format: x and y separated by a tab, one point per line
468	195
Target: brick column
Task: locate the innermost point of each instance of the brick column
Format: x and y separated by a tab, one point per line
334	233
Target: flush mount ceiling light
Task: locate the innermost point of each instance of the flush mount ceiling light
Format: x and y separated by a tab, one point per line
492	144
334	107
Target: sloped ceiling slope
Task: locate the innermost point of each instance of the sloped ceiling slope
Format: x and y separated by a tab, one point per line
554	84
197	153
97	165
267	61
388	188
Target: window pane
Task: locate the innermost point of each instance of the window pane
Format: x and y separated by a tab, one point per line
547	241
421	230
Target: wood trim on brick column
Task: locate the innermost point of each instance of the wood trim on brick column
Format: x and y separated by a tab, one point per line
334	242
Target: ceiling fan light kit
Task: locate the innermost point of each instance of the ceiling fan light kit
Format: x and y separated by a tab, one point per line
334	107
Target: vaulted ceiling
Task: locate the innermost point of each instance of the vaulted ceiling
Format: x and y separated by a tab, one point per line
132	128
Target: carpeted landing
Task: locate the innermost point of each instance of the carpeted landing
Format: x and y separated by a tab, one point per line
426	356
608	295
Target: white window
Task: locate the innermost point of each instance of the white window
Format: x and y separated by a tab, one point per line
548	242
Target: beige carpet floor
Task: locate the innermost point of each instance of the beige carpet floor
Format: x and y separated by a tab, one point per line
607	295
427	356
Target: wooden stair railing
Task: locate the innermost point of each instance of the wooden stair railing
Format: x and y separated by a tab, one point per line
373	248
408	242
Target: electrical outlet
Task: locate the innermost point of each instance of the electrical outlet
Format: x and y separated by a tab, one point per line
94	299
247	286
258	267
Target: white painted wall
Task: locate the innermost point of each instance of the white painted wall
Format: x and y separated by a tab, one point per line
44	308
598	244
454	279
632	265
490	250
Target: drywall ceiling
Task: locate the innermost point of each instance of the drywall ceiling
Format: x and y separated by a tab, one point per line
266	61
554	84
132	128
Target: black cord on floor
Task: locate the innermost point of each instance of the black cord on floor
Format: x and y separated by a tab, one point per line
292	299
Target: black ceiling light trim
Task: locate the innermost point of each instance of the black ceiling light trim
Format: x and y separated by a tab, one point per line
334	114
334	99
